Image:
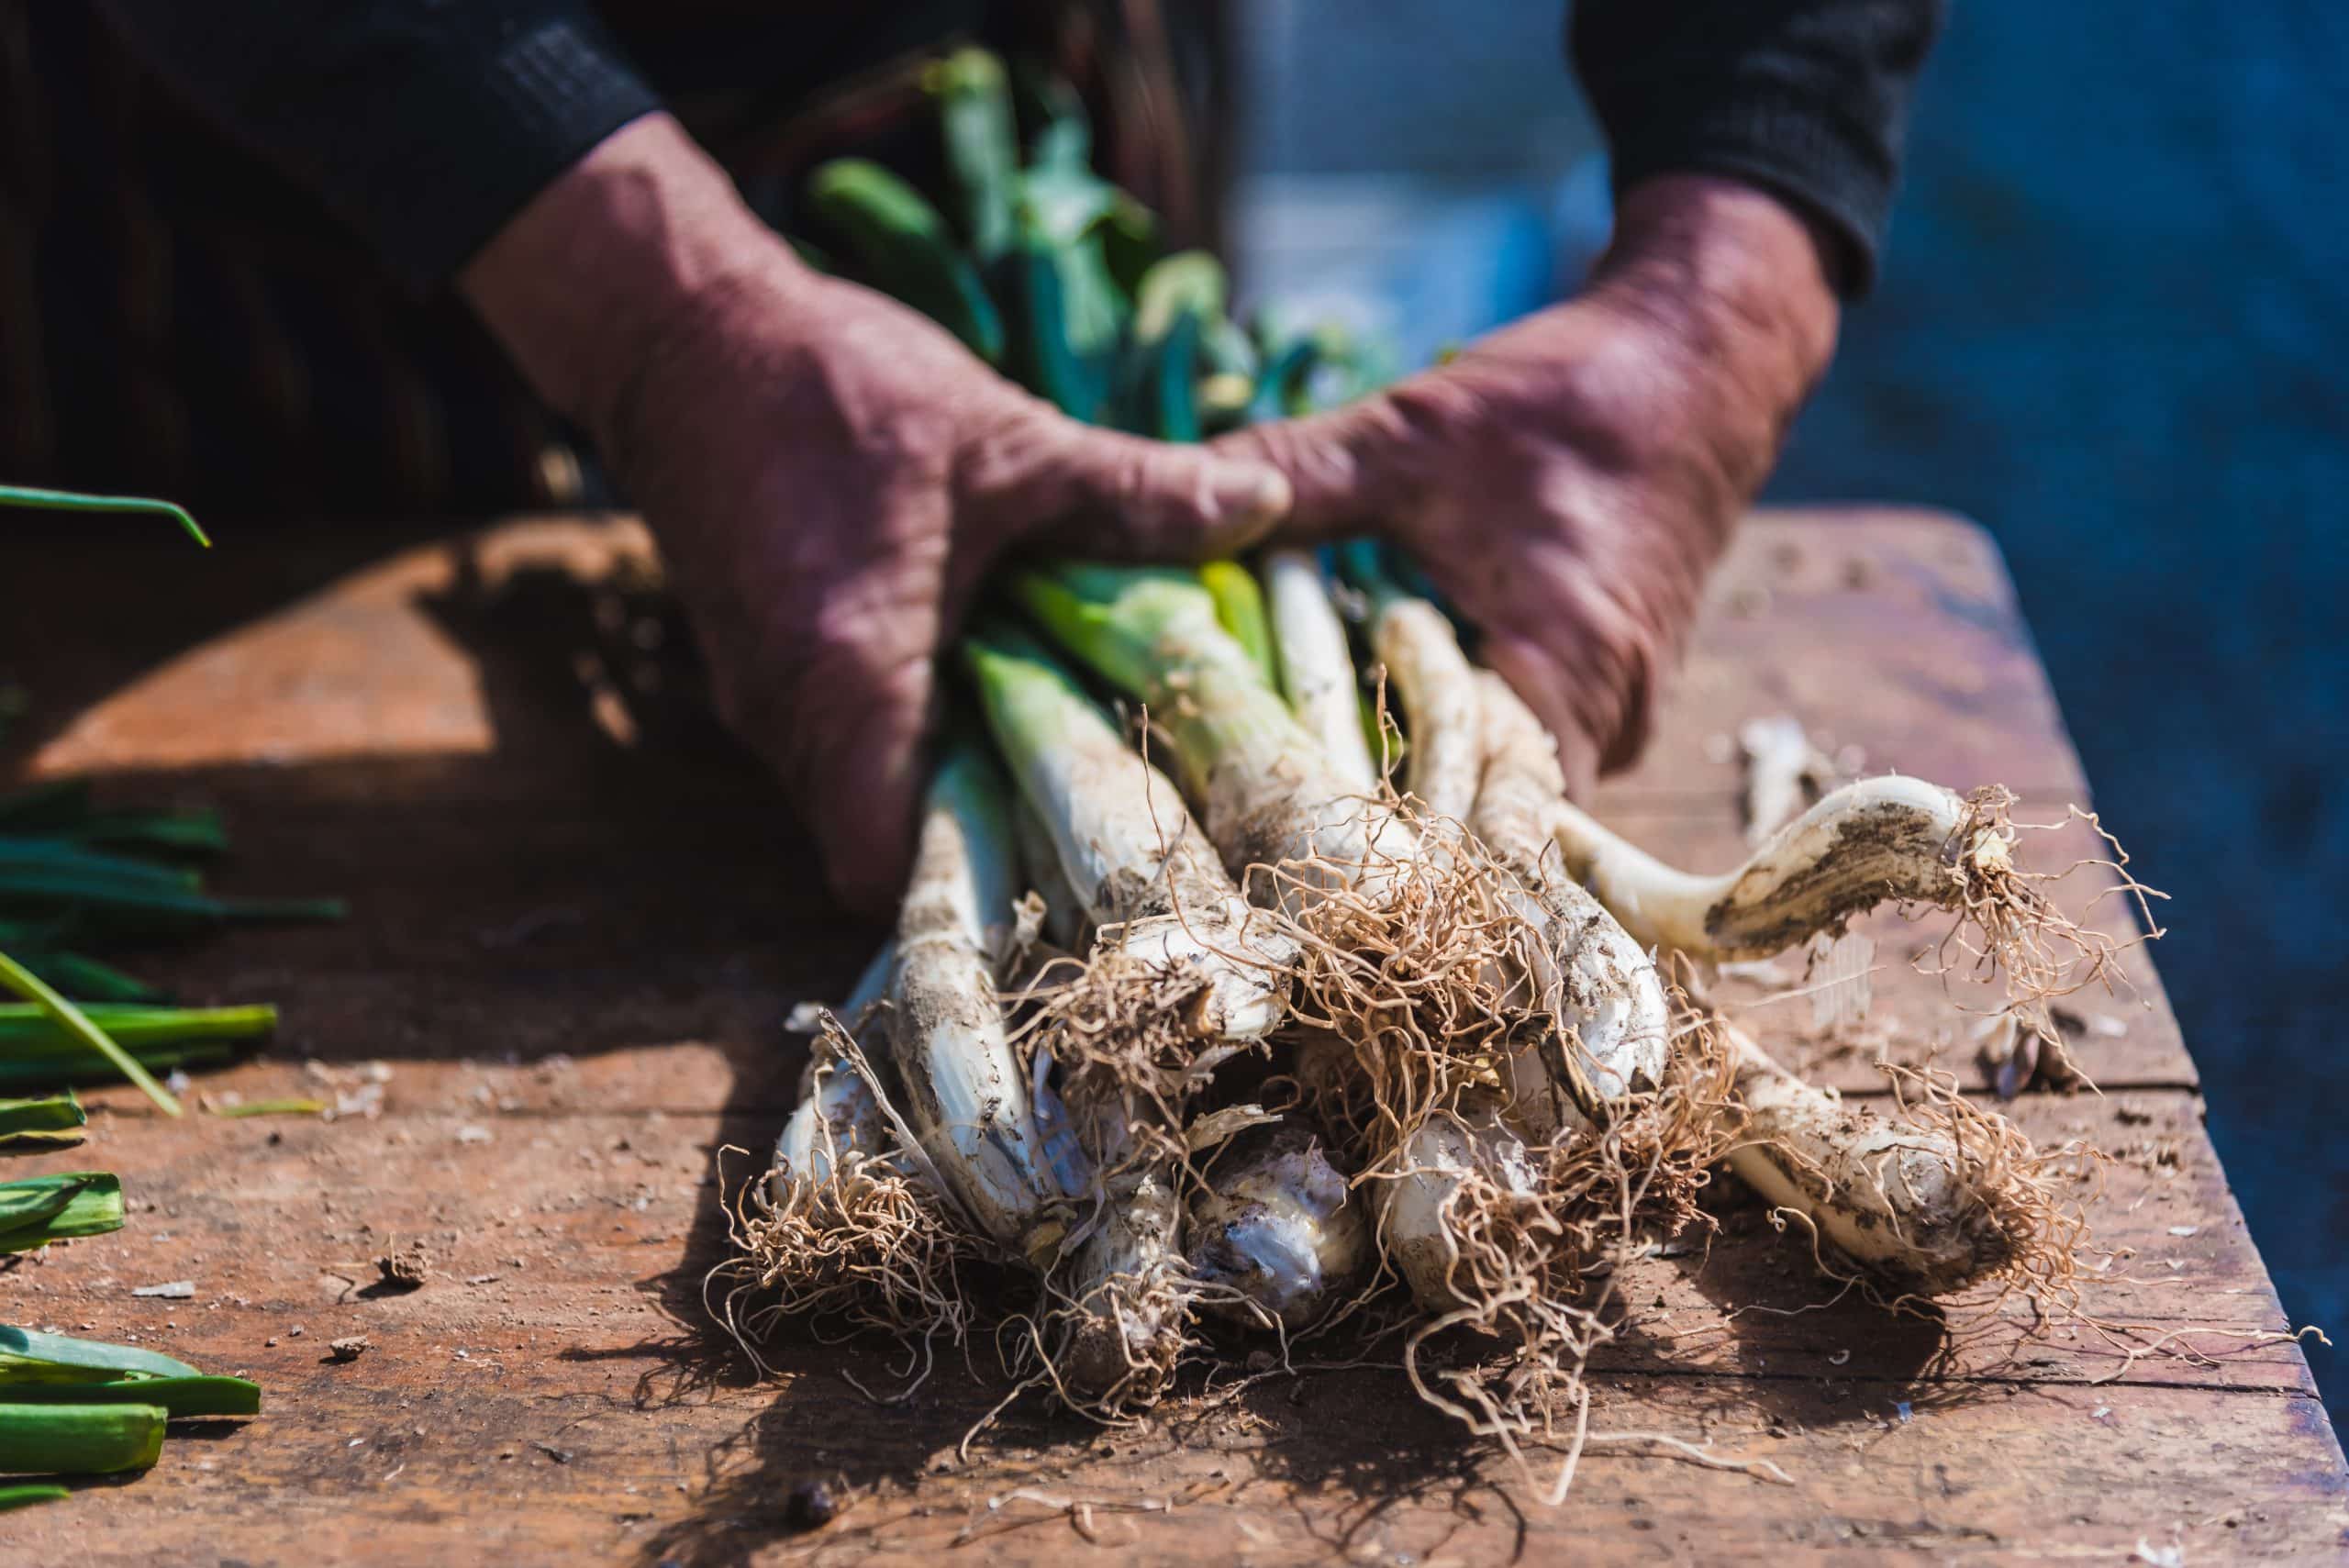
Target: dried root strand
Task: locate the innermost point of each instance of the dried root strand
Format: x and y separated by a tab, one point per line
844	1227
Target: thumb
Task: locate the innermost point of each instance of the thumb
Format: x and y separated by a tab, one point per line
1336	465
1050	479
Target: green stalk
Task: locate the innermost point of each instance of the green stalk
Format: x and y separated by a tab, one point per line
901	246
1240	610
71	501
31	1492
42	1210
68	1017
1154	634
1121	834
70	1440
24	1026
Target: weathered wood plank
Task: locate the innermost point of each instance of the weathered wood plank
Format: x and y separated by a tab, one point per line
568	1248
1894	631
580	920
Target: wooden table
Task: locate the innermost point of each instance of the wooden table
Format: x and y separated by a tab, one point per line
579	920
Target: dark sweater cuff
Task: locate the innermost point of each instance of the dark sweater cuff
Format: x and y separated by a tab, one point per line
1799	149
430	189
423	124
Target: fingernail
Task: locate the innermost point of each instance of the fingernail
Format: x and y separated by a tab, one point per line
1250	495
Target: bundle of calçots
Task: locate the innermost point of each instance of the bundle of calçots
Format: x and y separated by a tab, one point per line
1161	1060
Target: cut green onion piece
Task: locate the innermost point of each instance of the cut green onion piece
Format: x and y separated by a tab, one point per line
40	1210
271	1107
25	1027
1240	610
79	1440
180	1396
31	1492
31	988
42	1126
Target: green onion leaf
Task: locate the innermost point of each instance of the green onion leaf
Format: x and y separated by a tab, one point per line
30	986
25	1352
72	501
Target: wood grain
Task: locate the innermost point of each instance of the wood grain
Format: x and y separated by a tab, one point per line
580	919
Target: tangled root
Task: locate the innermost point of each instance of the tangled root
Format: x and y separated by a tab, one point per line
2025	1215
2008	924
868	1246
1413	1014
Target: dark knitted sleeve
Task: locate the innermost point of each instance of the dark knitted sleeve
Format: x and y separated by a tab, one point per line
1807	98
425	124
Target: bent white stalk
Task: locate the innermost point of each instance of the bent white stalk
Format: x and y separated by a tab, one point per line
1586	970
1908	1204
963	1096
1892	838
1317	671
1277	1228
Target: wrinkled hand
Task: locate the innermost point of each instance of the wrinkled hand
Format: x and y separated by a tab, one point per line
830	476
1568	481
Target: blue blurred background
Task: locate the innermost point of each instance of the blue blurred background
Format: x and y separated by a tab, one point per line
2110	328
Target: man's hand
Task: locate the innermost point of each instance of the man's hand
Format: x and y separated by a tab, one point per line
1567	481
830	475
